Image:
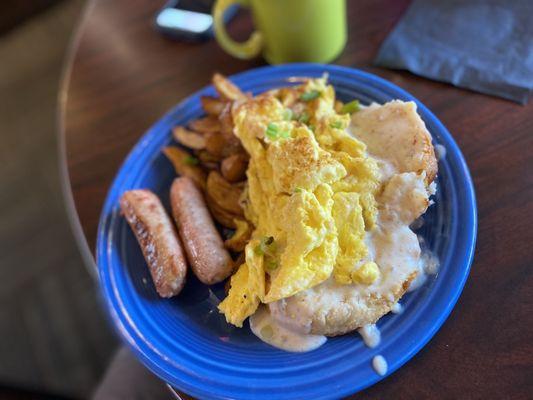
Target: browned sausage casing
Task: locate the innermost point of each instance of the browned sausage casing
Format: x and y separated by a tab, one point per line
158	240
209	260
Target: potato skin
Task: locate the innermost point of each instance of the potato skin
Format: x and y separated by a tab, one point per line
233	168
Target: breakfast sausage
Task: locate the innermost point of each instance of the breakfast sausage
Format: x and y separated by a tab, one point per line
158	240
208	258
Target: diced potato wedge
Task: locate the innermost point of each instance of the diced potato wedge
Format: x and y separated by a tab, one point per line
226	89
186	165
207	160
233	168
212	105
224	194
215	144
226	129
190	139
220	215
226	123
209	124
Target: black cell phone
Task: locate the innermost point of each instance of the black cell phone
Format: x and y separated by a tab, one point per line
188	20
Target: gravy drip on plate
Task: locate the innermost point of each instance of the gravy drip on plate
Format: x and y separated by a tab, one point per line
272	332
371	335
380	365
397	308
440	151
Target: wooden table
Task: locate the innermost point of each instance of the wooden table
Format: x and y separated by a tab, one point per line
122	76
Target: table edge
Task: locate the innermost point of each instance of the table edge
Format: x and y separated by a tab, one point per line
64	175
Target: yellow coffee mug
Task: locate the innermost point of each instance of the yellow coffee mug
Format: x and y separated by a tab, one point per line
287	30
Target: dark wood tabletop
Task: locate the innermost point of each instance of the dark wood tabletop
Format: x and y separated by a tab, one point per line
122	76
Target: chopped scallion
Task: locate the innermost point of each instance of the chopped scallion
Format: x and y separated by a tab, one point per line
351	107
273	132
311	95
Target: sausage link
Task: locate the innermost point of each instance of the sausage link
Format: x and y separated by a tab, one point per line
158	240
208	258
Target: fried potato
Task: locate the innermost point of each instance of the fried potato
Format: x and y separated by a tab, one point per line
188	138
233	168
220	215
207	160
220	148
226	123
224	194
207	124
185	165
241	236
226	89
215	145
212	105
226	129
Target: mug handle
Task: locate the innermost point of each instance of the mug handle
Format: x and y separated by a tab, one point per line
245	50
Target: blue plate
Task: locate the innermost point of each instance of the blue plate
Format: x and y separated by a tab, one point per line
186	342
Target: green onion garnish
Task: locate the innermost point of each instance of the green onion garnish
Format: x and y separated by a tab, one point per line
297	190
287	114
336	125
191	160
312	127
311	95
273	132
351	107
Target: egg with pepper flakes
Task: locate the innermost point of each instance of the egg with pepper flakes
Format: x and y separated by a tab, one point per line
310	196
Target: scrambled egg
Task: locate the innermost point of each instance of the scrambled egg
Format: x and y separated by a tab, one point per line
310	197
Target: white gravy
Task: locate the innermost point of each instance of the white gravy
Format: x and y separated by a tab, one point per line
397	308
370	334
440	151
392	245
380	365
270	331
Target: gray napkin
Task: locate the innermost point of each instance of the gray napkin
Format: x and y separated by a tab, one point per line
483	45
